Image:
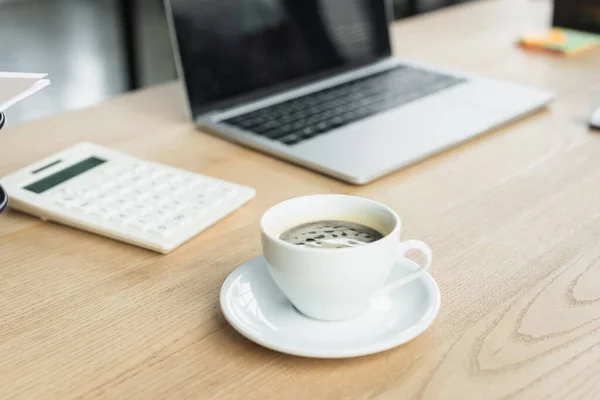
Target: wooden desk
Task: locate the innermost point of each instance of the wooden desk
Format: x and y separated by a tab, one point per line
513	218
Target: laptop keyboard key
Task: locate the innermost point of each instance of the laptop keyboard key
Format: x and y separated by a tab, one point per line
293	121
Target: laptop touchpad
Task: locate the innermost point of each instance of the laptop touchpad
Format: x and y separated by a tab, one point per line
399	137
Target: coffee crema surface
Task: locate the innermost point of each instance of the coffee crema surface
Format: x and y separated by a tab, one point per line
331	234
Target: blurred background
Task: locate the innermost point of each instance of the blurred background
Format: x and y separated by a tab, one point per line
97	49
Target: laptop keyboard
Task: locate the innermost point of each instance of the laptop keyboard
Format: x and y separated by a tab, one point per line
303	118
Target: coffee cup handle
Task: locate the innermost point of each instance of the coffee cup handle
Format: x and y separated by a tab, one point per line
404	248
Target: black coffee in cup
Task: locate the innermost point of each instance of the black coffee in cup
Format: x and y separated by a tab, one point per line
331	234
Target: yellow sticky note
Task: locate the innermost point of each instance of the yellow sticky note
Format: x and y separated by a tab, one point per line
565	41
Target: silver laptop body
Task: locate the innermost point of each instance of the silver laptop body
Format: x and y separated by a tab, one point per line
371	141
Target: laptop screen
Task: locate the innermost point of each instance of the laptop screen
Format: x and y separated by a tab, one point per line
237	50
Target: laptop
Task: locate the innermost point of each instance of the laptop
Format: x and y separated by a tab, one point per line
314	82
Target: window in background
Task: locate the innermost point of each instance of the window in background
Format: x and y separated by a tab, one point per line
76	41
81	44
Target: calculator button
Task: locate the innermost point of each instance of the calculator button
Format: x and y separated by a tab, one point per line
180	191
126	200
177	179
209	188
67	191
147	188
169	207
123	205
200	198
157	175
75	203
216	201
141	194
141	223
144	181
110	204
135	179
122	188
158	200
105	197
124	177
163	201
156	197
77	191
190	182
169	175
141	208
163	229
202	203
85	190
107	185
160	187
173	190
139	169
122	217
158	215
123	192
65	198
95	213
89	209
103	212
85	204
230	192
112	170
199	209
61	203
178	205
153	186
93	193
162	213
181	219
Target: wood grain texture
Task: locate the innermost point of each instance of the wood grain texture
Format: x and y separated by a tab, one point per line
513	218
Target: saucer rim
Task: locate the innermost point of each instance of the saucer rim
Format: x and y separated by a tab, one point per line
377	347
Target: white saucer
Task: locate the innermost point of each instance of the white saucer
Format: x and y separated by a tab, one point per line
256	308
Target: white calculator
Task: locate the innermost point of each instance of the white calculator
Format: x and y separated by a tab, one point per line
122	197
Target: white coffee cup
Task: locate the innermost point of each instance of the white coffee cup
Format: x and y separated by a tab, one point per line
335	284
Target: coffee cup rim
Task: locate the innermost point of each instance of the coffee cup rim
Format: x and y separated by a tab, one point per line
279	241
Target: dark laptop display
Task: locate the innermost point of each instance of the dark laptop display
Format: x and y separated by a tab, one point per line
236	50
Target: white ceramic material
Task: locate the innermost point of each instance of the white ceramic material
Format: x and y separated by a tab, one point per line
335	284
255	307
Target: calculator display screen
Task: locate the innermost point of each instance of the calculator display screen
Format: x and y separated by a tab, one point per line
64	175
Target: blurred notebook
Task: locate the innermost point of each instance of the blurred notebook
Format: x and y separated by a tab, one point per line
15	86
562	41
